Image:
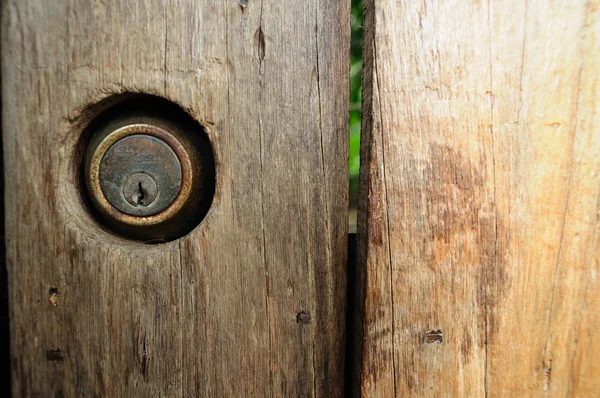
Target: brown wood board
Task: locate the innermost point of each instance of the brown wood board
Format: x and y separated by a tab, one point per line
215	313
478	216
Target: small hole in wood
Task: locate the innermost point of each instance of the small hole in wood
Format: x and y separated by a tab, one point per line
434	336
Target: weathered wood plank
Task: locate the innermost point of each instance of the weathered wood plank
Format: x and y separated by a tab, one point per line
215	313
479	199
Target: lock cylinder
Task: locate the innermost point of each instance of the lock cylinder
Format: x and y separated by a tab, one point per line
140	175
148	176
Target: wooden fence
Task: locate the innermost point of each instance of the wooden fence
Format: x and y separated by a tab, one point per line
476	269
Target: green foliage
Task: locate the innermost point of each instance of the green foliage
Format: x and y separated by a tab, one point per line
356	44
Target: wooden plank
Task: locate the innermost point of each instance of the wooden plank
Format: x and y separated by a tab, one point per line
215	313
478	220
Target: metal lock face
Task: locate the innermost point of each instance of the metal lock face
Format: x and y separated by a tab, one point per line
149	176
140	175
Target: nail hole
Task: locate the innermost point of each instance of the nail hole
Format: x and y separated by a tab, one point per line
53	296
434	336
303	318
55	355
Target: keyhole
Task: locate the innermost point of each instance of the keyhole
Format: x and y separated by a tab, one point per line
140	190
140	195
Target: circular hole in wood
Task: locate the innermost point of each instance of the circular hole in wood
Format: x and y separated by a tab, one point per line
146	168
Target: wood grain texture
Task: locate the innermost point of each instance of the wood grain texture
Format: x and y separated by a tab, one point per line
480	184
216	312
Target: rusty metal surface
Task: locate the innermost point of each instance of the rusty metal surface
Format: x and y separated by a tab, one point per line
140	175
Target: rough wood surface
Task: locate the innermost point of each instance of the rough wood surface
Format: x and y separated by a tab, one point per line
217	312
478	221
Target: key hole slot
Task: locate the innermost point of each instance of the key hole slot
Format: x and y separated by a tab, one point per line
140	196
